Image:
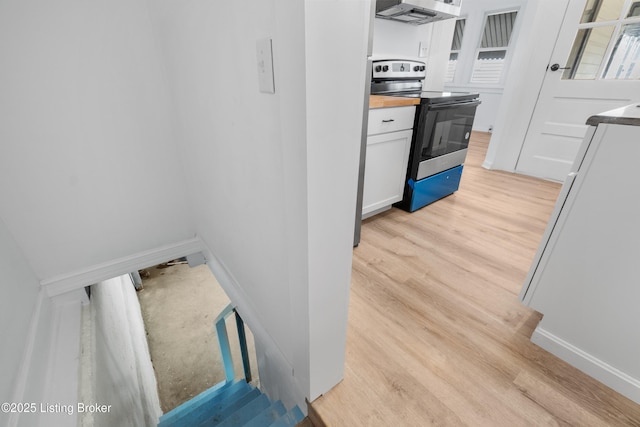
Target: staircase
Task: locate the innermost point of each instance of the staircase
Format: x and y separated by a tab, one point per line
231	404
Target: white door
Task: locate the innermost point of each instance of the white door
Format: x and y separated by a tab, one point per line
599	43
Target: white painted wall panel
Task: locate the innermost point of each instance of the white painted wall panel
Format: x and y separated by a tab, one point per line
334	126
245	156
277	225
19	288
83	92
475	12
539	28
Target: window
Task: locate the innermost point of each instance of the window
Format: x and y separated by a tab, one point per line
456	44
607	45
492	53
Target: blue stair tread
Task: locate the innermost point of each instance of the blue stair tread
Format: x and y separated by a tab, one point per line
247	412
203	412
205	395
196	410
228	407
267	415
290	419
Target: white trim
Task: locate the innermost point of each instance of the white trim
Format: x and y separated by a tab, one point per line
23	370
87	276
60	382
601	371
61	327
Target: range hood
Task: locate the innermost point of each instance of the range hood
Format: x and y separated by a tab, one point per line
417	12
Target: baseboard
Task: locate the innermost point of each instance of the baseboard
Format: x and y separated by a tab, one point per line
592	366
97	273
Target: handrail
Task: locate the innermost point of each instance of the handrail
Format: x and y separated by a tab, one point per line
225	348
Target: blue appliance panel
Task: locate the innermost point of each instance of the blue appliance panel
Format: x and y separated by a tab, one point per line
435	187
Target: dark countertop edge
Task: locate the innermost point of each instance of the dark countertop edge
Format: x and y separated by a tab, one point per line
598	119
629	115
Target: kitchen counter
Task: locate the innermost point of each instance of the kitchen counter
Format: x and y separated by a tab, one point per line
629	115
380	101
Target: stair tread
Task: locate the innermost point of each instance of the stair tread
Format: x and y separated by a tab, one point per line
232	404
228	407
196	410
204	412
247	412
208	393
267	415
290	419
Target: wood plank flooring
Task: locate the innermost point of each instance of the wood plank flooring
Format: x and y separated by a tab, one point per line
437	335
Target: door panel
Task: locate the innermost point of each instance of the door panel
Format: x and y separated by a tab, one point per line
557	126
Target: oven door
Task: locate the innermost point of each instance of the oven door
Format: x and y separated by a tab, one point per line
442	136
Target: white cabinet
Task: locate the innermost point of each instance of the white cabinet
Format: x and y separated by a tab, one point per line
388	144
584	278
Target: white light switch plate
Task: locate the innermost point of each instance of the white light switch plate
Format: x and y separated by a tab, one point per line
423	50
265	66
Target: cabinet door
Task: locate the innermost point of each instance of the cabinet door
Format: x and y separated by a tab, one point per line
385	170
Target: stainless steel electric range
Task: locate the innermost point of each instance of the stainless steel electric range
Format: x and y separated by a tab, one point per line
441	131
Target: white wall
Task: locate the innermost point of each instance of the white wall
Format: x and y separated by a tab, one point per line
143	86
334	125
273	176
38	361
117	359
475	12
539	29
395	40
244	153
83	92
19	287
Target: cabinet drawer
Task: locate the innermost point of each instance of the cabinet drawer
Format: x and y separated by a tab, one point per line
383	120
435	187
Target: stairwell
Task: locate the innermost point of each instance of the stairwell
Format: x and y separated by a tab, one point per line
231	404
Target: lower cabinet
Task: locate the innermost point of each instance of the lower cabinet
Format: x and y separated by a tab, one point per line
385	170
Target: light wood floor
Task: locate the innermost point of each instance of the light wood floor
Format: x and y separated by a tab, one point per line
437	335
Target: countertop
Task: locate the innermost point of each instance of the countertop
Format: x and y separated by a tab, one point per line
629	115
379	101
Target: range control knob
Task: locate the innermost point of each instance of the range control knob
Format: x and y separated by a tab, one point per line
422	68
416	68
385	68
378	68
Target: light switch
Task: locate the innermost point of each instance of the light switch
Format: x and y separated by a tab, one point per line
423	50
265	66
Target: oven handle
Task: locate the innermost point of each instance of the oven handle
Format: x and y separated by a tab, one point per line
451	105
